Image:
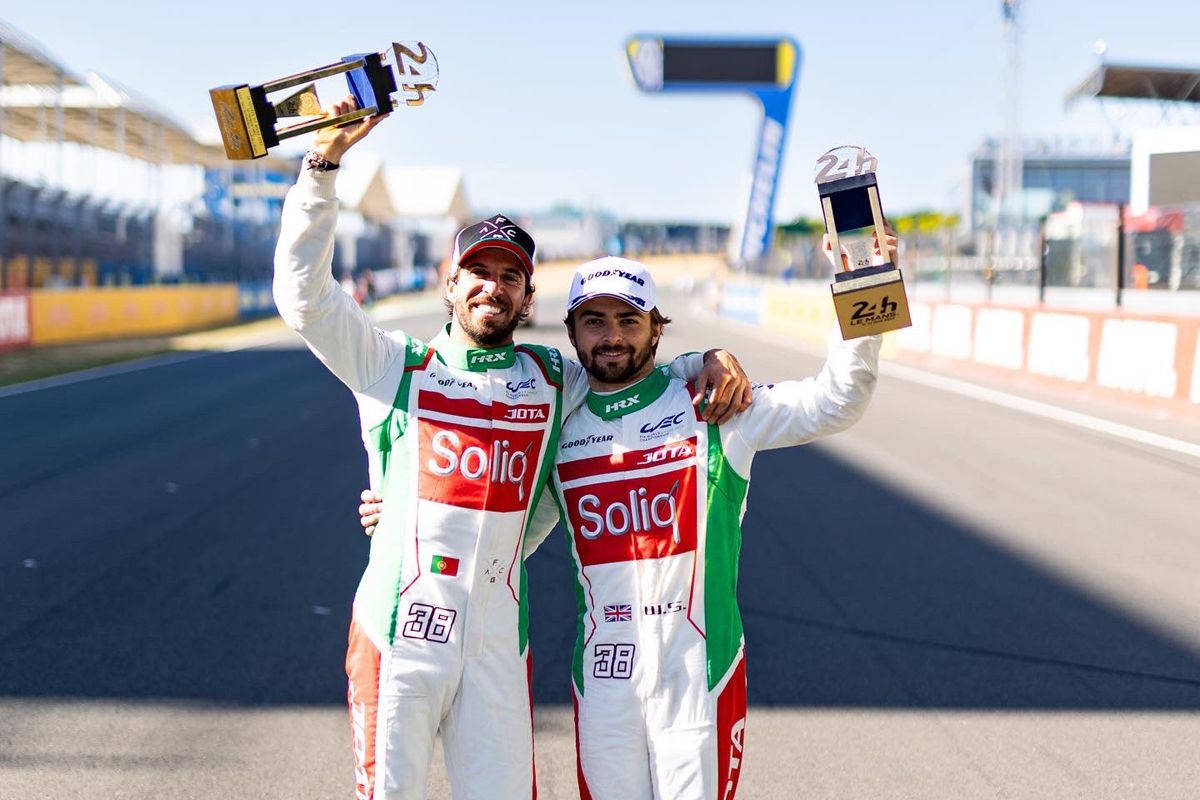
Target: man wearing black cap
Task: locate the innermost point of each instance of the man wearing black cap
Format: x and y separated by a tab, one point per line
460	434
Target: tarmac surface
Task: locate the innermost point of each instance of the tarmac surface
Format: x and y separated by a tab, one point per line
954	599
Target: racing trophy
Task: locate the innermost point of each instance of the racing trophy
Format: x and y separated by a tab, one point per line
868	290
247	118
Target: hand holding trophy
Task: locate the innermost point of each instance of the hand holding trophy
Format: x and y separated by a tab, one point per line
247	118
868	289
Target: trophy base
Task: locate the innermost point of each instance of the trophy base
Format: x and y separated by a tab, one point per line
870	300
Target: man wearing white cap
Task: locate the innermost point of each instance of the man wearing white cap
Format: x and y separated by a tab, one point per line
652	497
460	433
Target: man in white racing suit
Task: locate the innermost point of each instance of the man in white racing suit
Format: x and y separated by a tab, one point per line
460	434
652	498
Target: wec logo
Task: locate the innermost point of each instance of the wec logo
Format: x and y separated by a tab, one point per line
516	388
621	405
665	422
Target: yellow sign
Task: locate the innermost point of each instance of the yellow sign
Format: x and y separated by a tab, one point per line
81	315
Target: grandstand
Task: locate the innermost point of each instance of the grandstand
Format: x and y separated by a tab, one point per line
100	187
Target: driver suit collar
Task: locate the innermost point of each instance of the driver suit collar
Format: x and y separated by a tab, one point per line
475	359
631	398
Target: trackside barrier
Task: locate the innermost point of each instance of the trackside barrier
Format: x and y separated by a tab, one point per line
255	299
742	302
1153	359
15	330
79	315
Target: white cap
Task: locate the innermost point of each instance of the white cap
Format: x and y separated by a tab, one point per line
613	277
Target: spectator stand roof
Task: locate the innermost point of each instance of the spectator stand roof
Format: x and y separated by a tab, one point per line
43	100
1171	88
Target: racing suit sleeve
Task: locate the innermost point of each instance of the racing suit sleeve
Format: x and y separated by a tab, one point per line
311	302
575	384
545	517
794	412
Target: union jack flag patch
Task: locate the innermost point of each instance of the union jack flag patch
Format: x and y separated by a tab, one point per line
622	612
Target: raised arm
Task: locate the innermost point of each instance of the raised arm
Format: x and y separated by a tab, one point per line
309	299
795	412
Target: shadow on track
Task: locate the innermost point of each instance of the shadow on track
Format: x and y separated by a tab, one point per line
194	534
854	595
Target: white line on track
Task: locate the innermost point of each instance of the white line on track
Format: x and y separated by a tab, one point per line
107	370
998	398
1039	409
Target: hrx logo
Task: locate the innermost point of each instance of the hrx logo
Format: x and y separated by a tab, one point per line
476	359
621	405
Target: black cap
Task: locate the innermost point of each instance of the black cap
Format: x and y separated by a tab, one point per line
498	231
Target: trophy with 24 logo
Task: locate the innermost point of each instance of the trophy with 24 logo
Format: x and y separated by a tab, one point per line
248	119
868	290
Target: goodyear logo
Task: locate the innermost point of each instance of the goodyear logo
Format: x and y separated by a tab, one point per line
600	273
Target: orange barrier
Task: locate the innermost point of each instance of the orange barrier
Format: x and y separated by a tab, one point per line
1150	359
80	315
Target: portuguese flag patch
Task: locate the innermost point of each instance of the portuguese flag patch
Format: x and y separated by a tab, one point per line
444	565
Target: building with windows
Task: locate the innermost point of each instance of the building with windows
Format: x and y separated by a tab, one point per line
1052	177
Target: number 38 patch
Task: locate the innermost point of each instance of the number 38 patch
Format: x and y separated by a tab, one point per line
613	661
430	623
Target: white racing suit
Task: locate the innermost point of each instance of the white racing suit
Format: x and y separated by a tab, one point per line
460	443
653	499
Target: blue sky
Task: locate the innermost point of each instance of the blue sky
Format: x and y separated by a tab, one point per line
536	107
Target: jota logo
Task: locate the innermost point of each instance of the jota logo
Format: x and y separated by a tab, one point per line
642	514
665	422
475	359
671	452
621	405
525	414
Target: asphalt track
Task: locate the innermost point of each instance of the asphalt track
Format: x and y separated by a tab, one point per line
952	600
